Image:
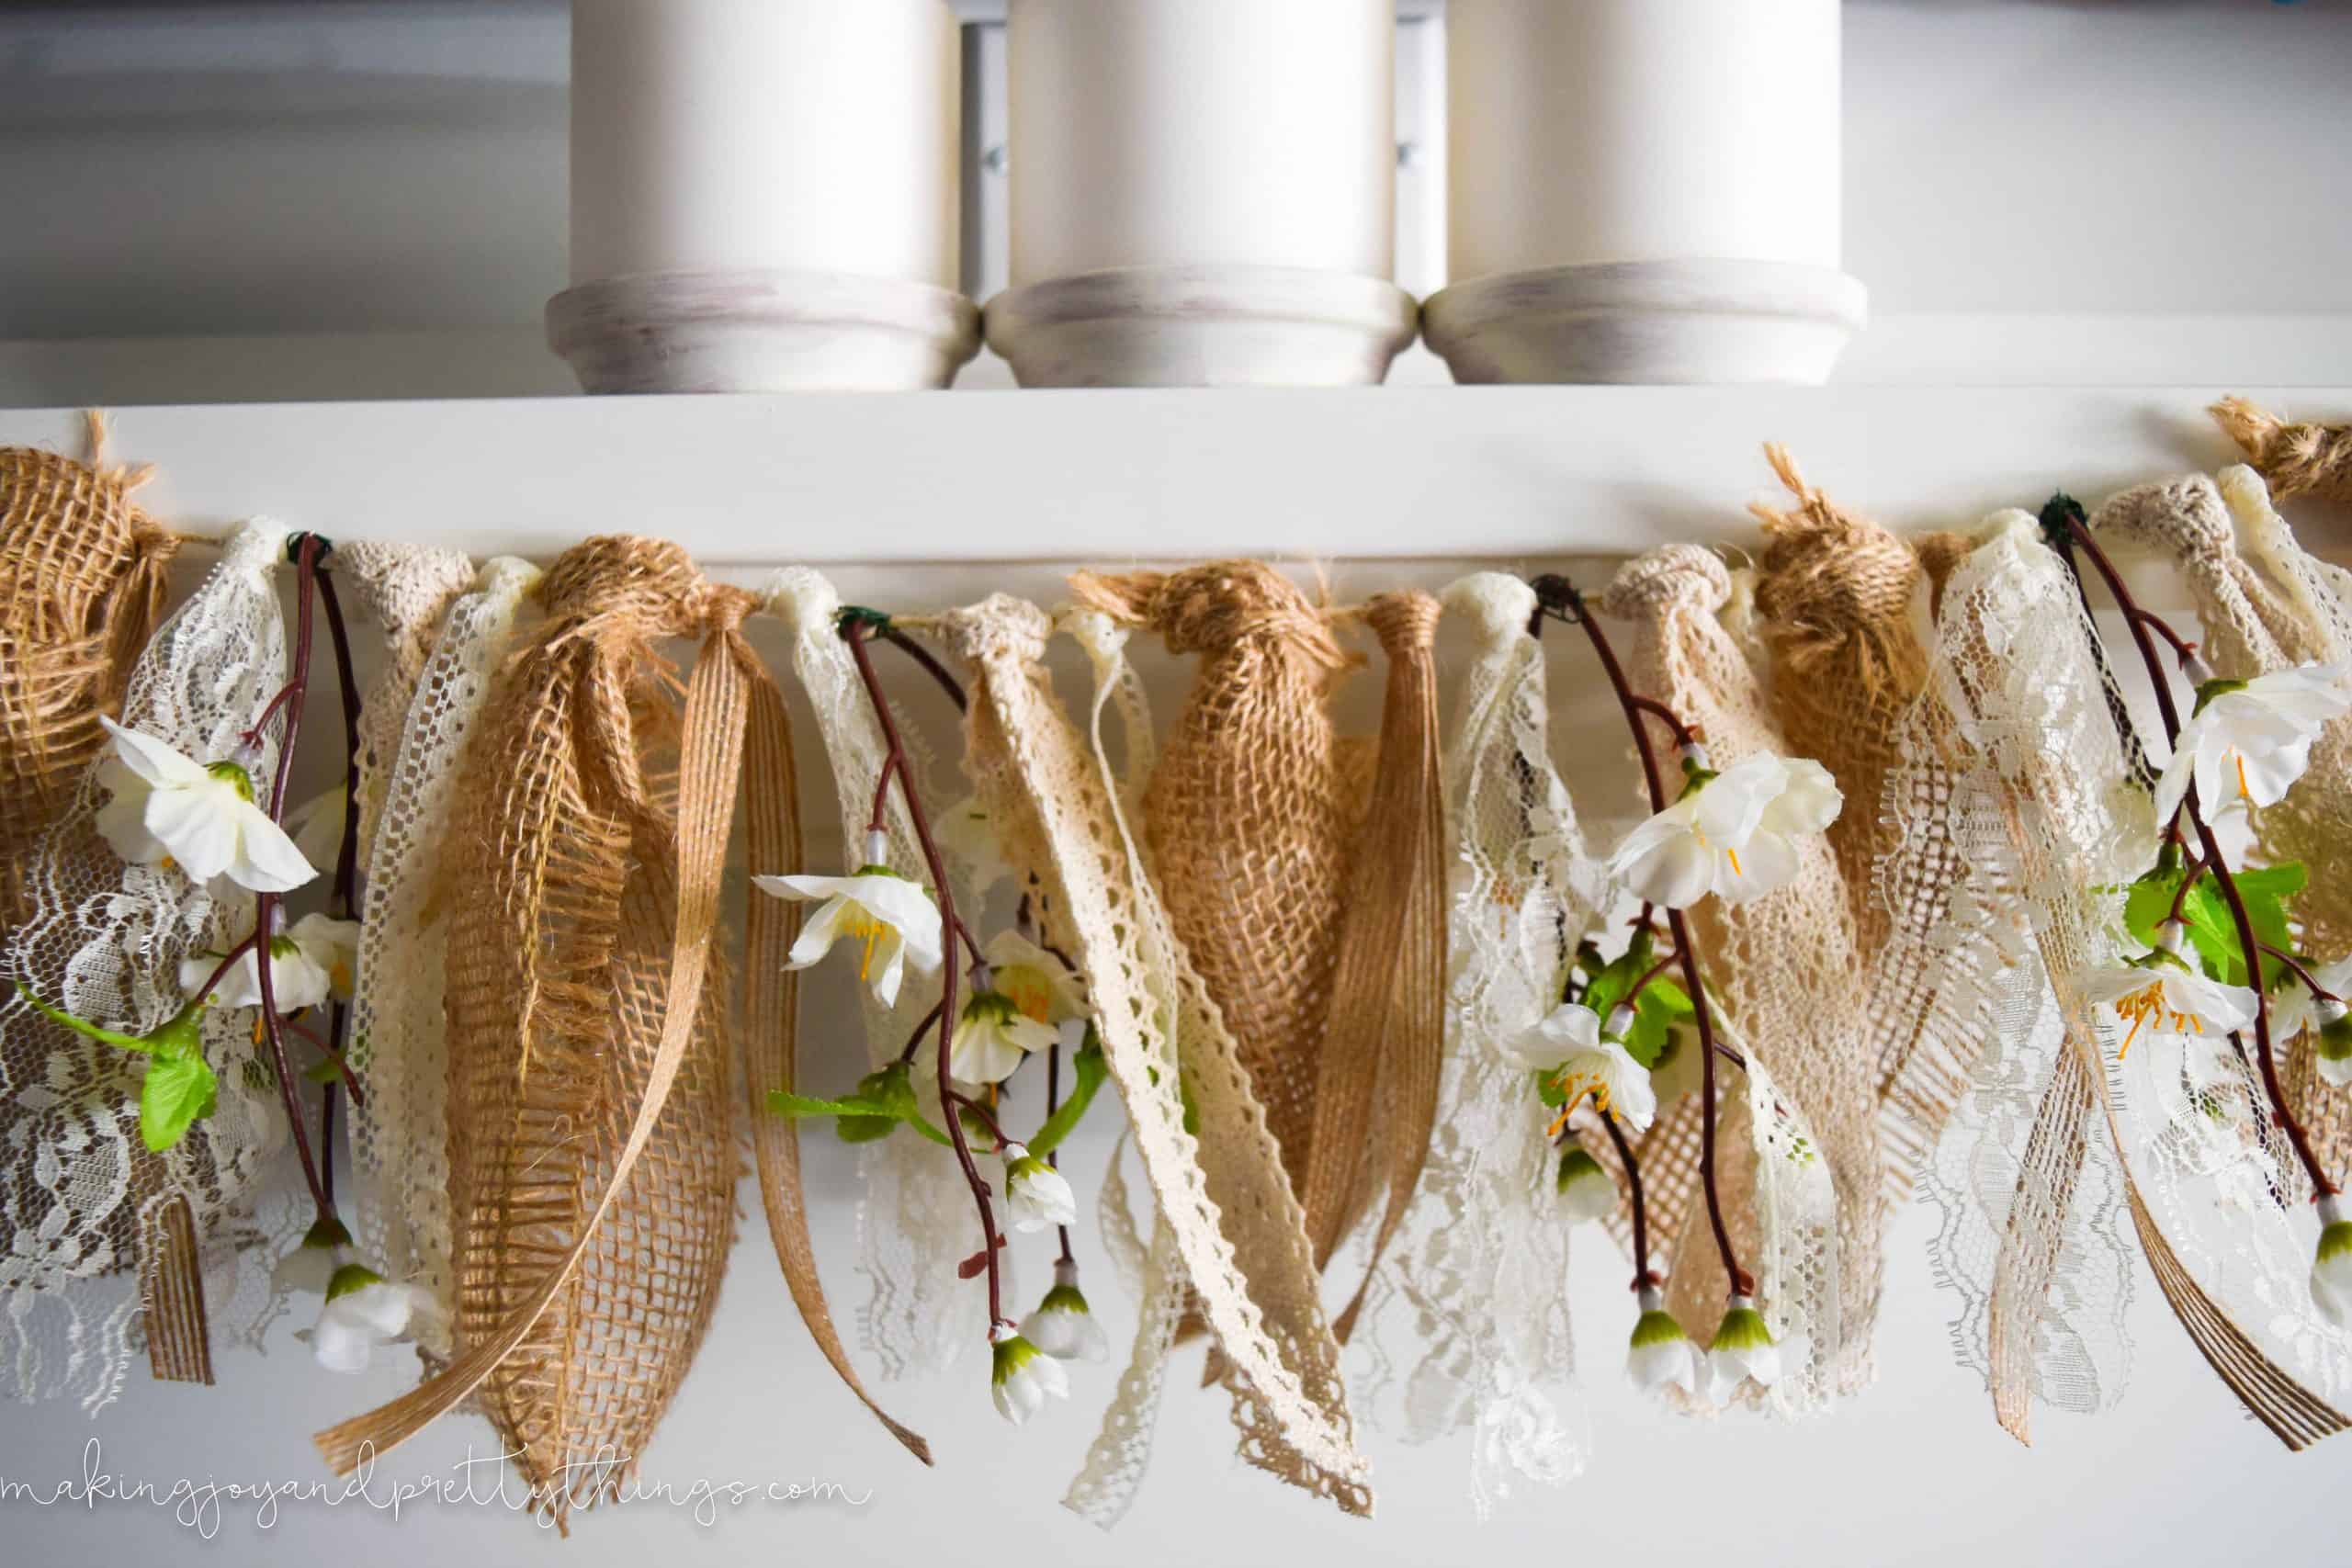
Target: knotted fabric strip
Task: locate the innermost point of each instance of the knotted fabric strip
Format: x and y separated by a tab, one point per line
1377	1076
82	582
1240	1229
591	1134
1248	818
2295	458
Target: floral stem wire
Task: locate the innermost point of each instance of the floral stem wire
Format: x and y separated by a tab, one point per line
346	862
1559	596
855	631
307	550
2136	620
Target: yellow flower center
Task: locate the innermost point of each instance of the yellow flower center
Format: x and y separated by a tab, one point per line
2149	1003
1574	1087
2243	794
868	929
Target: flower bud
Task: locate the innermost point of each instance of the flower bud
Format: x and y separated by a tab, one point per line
1585	1190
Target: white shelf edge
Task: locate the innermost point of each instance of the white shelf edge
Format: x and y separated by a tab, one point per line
1456	473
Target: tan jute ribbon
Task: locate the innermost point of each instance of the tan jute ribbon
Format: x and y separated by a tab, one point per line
729	694
1376	1077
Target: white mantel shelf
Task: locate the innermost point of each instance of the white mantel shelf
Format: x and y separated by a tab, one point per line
1503	474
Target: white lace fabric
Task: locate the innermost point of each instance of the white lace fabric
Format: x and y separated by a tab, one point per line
915	1222
104	941
399	1138
1466	1327
1239	1229
1785	982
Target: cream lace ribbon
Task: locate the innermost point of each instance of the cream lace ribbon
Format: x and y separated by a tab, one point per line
104	940
914	1225
2040	759
1784	973
1237	1228
400	1138
405	590
1467	1329
2265	604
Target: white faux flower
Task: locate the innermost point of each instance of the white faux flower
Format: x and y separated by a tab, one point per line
1732	834
363	1311
964	831
2163	990
1062	1327
309	964
1022	1377
1585	1190
2248	742
1743	1351
2332	1265
1038	1196
1569	1045
200	817
993	1037
1040	985
892	916
1662	1356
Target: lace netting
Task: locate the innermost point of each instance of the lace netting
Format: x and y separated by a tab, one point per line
1467	1327
915	1222
405	590
2265	604
1237	1225
104	940
1787	983
2017	706
400	1138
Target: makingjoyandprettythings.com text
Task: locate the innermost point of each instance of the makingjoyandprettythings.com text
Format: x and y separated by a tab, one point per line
477	1481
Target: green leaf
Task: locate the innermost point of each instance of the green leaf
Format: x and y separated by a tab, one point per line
2206	912
1663	1004
177	1090
1091	1070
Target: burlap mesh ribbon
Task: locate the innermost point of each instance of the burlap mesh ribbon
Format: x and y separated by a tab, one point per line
2265	605
1240	1229
2296	458
1784	973
1247	819
1834	604
592	1121
82	582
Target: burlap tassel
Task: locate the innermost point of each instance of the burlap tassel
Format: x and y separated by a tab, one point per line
1223	1193
1835	600
1247	819
1784	970
171	1292
82	582
2266	605
1376	1081
592	1114
2296	459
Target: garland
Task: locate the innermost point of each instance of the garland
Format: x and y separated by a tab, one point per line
2038	907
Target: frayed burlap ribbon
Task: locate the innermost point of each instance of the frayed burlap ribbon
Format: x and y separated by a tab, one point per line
82	582
1376	1080
591	1137
2295	458
1247	818
1835	601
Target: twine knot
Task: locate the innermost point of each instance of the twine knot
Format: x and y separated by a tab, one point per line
1671	574
999	626
1404	621
1208	609
651	586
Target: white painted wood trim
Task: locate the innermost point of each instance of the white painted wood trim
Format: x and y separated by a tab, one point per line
1502	474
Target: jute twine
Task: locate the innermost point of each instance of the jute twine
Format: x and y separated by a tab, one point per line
82	582
2294	459
1246	819
592	1121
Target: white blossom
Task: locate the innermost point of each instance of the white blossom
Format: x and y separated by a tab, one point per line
2248	742
1732	834
892	917
200	817
1022	1377
1038	1196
